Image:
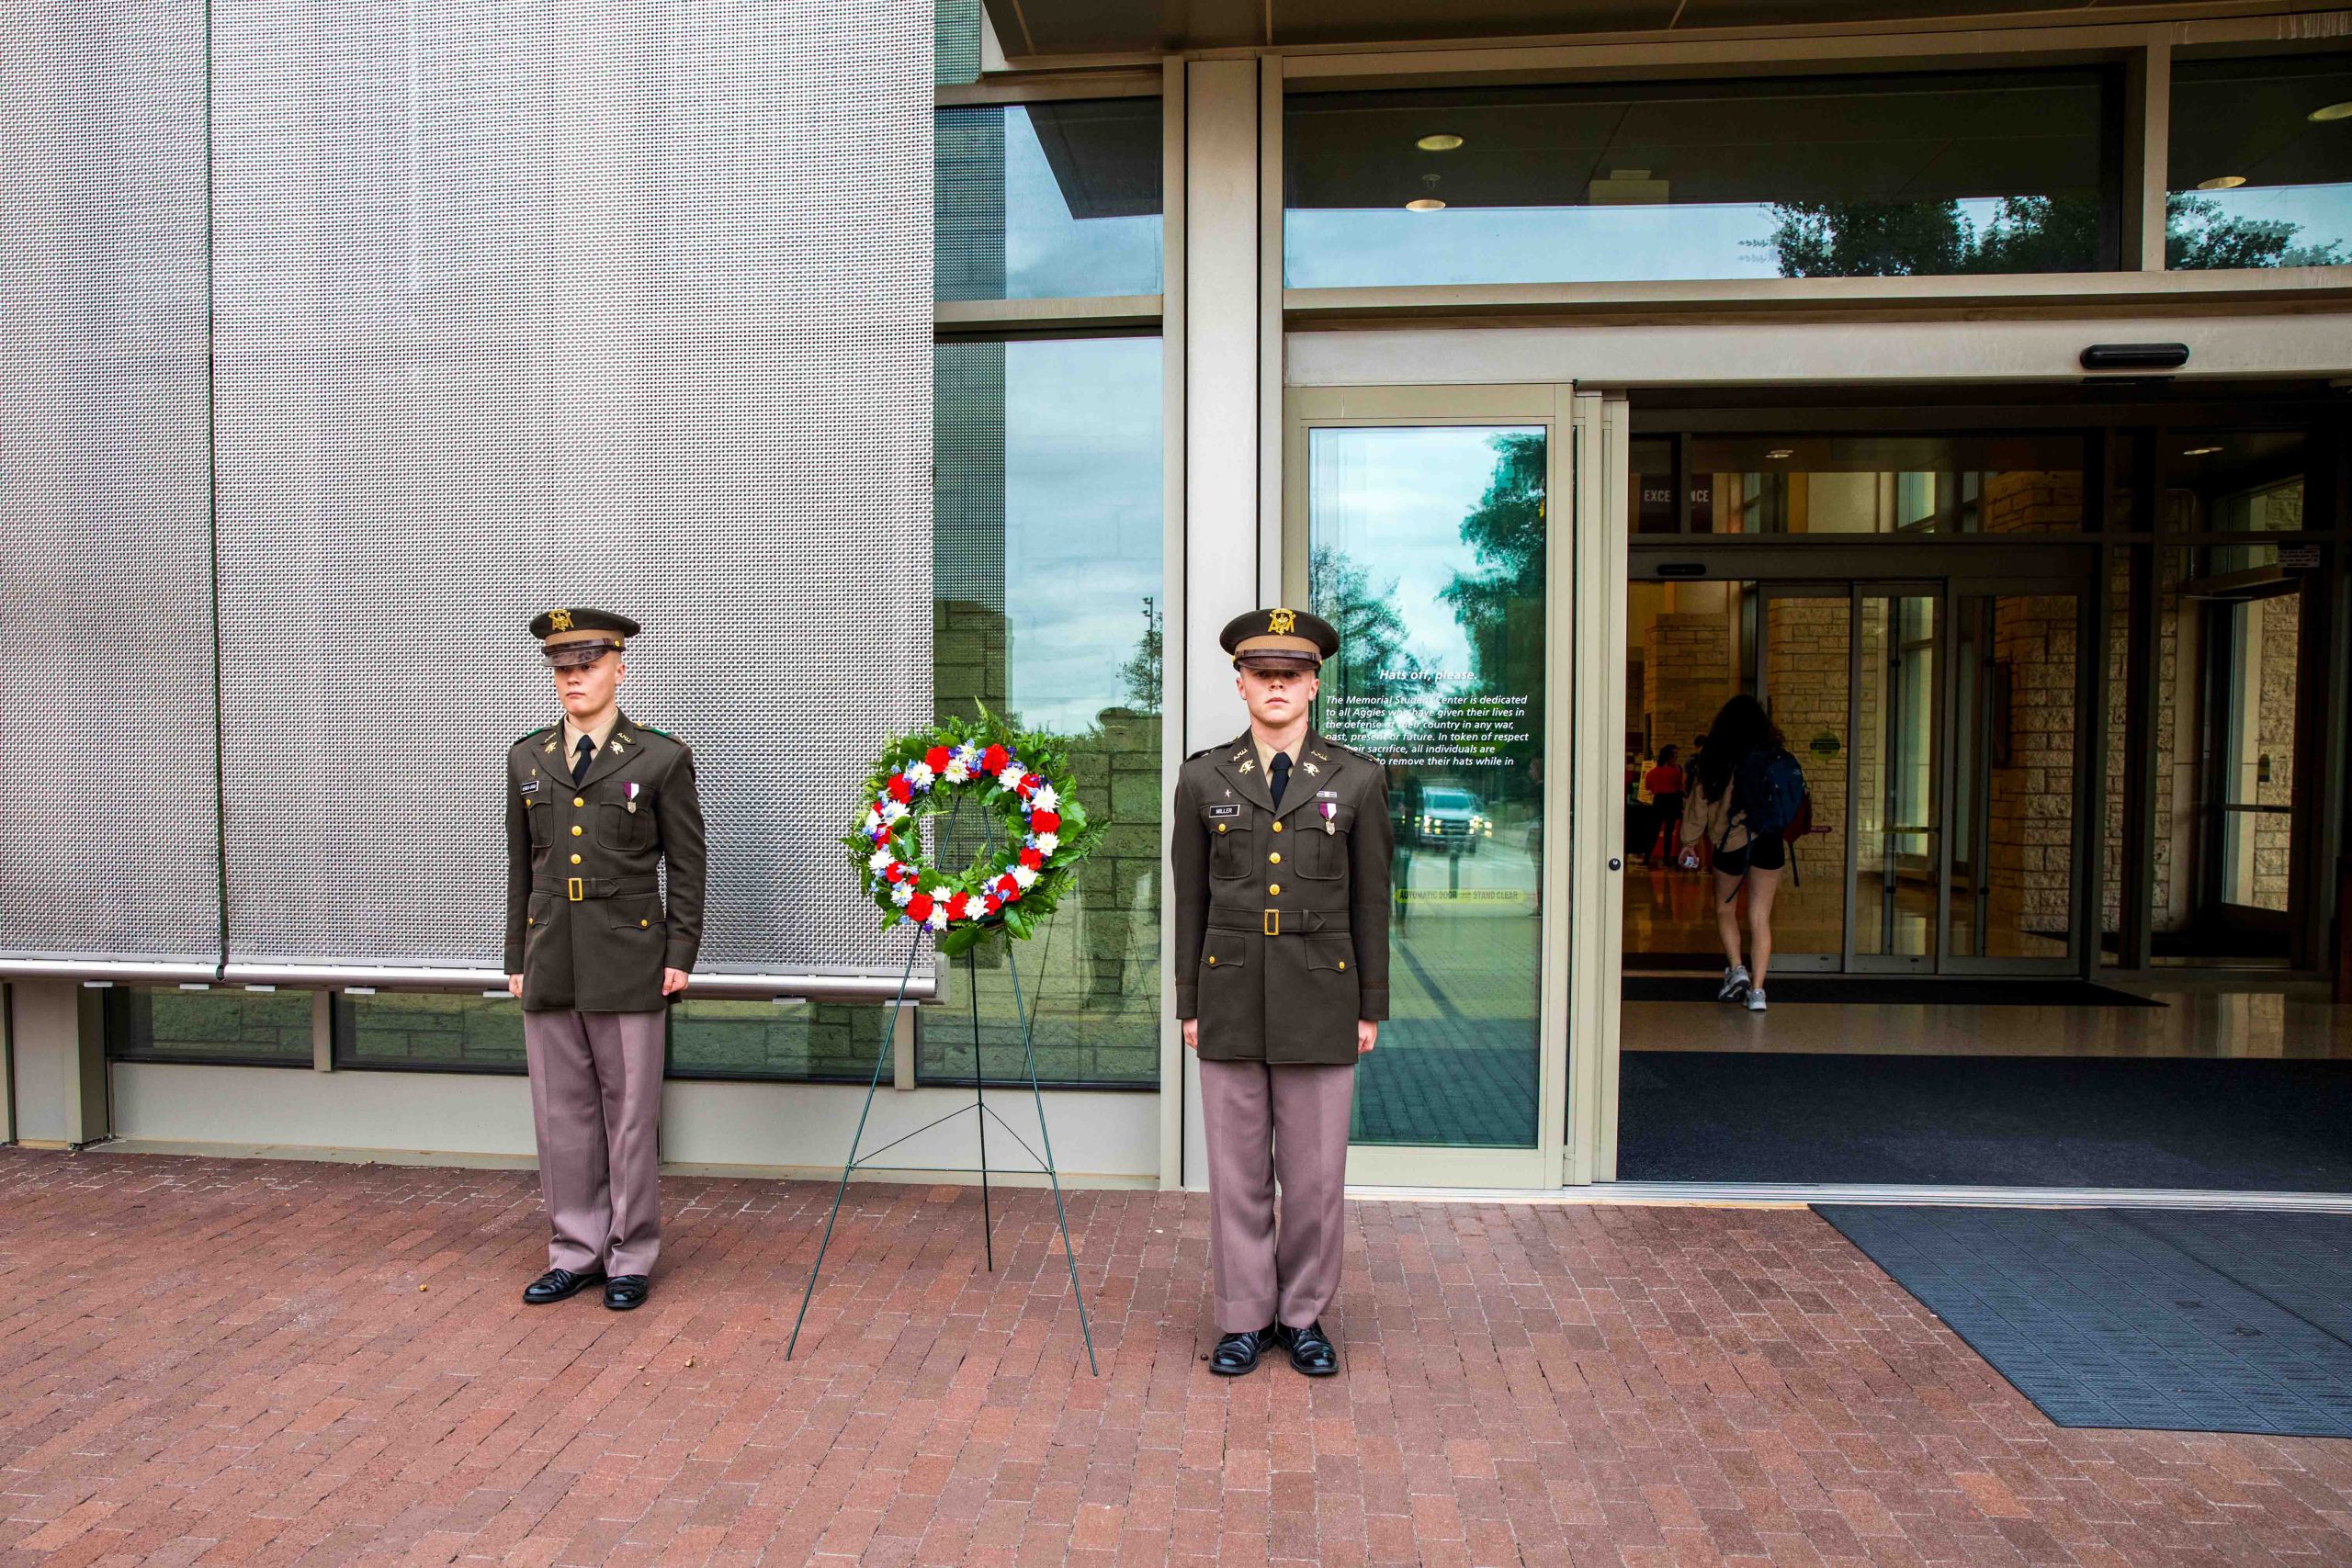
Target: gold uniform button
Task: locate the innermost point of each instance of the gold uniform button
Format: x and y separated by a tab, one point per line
1274	887
1275	859
575	860
1212	960
577	801
1278	827
1220	827
649	922
1343	963
575	830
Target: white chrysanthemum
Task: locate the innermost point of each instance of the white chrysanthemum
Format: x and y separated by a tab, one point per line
956	771
919	775
903	894
879	861
1023	875
892	810
937	919
1043	798
1048	843
1011	777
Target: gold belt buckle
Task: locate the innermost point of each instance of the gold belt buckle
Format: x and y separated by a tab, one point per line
1273	922
576	889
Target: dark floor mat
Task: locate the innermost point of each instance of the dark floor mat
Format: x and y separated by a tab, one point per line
2237	1127
1892	990
2198	1322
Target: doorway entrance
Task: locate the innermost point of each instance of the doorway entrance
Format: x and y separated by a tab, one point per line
1940	718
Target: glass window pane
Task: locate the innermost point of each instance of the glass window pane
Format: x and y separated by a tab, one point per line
1427	551
956	41
2236	480
1047	547
159	1024
1819	177
1041	201
431	1030
814	1042
2260	162
1887	484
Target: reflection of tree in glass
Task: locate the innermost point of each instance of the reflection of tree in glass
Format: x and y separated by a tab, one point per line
1140	675
1374	667
2025	234
1501	608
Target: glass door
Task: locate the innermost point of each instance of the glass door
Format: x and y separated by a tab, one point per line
1803	676
1894	779
1426	537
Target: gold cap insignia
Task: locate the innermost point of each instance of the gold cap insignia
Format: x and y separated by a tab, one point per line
560	620
1283	621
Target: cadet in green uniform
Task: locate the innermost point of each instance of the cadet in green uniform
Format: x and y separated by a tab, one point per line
1280	845
594	805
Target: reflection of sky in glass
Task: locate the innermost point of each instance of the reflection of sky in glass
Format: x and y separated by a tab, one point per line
1355	248
1393	501
1082	508
1047	253
2322	214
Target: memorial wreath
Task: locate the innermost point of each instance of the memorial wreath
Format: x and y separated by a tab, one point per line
1025	778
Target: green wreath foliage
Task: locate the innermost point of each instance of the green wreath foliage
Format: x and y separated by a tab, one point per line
1043	830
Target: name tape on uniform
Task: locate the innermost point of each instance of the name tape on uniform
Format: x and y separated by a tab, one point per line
1225	811
531	786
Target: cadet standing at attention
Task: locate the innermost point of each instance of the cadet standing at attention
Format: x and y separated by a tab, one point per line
594	804
1280	861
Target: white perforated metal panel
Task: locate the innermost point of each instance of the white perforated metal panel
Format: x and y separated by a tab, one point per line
108	843
624	305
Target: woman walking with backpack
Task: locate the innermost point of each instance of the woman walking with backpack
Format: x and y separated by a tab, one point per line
1733	801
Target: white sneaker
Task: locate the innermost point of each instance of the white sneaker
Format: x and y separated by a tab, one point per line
1755	1001
1734	983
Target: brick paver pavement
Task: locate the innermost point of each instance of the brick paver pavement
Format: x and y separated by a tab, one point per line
218	1361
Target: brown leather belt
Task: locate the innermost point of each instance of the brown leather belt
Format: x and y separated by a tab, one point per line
580	888
1274	922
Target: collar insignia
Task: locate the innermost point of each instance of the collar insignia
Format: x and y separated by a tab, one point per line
1246	767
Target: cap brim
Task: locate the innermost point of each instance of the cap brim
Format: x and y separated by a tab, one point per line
1293	661
578	655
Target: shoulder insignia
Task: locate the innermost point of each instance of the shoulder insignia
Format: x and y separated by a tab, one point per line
528	736
1201	753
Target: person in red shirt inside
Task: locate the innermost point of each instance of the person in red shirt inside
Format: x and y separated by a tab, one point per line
1664	781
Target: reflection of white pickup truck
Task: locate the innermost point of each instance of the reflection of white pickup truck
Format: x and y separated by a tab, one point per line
1451	820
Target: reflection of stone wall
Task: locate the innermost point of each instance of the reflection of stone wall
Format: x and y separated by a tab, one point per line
2028	501
1686	675
2273	635
1805	679
2032	794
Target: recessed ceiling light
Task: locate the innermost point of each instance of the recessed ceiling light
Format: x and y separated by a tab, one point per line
1443	142
1779	452
2198	451
1425	204
2333	111
2222	182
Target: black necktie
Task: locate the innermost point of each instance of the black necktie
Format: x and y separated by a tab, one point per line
1277	771
586	751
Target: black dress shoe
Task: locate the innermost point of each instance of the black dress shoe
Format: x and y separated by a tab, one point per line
557	1283
1237	1354
1310	1351
624	1291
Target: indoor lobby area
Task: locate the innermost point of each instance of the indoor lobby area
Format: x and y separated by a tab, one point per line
2048	669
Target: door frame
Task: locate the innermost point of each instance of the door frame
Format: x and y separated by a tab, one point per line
1574	981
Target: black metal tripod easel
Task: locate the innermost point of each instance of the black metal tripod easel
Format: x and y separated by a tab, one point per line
982	1114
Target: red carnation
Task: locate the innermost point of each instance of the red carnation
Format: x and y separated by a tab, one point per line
919	907
1029	783
994	759
892	872
1045	821
992	904
936	758
1007	889
900	790
1034	859
959	907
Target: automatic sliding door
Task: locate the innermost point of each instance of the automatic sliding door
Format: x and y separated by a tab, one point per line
1894	779
1803	675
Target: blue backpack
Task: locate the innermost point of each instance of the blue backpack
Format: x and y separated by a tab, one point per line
1772	793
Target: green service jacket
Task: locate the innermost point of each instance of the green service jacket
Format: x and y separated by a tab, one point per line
586	927
1281	917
